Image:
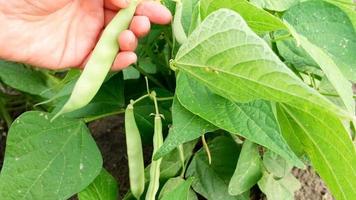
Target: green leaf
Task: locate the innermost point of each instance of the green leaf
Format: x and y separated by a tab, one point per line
276	5
282	189
329	148
23	79
187	15
348	6
104	187
48	160
320	52
329	28
131	73
254	121
211	181
276	165
248	170
258	19
288	132
331	70
172	164
145	121
294	55
181	191
186	127
235	63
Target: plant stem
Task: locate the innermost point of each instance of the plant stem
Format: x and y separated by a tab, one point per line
5	114
140	99
91	119
165	98
182	159
346	3
206	148
334	95
153	79
283	37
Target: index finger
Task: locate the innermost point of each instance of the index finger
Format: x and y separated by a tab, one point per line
156	13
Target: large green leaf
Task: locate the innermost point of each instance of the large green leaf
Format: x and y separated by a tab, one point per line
331	70
288	132
178	189
104	187
279	189
329	148
226	55
258	19
254	121
212	180
276	165
48	160
248	170
329	28
277	5
294	55
186	127
187	14
348	6
21	78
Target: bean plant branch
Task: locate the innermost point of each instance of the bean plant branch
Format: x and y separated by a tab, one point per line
206	148
91	119
5	114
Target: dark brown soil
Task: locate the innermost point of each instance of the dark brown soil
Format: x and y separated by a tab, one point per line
313	187
109	135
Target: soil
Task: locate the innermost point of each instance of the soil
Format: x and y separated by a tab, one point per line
109	135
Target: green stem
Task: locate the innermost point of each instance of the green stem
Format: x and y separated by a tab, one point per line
154	98
346	3
140	99
182	159
91	119
283	37
153	79
5	114
334	95
206	147
164	98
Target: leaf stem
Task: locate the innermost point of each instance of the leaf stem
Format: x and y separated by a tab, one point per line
91	119
283	37
182	159
334	95
165	98
5	114
153	79
346	3
140	99
206	148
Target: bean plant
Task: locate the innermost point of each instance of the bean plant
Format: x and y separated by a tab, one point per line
232	96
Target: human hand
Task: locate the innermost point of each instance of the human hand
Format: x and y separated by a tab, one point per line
62	33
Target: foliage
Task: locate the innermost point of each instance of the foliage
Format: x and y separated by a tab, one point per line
266	85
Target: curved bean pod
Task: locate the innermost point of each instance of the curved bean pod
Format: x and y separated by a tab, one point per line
134	153
156	165
100	61
178	30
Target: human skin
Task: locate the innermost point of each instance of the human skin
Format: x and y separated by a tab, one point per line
62	33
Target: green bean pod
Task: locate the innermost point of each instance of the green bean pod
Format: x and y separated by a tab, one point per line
155	165
178	29
100	62
134	154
